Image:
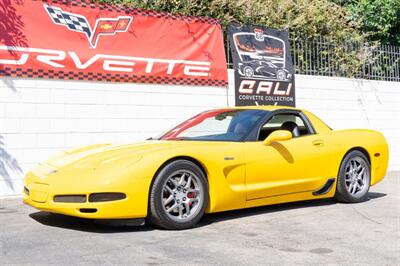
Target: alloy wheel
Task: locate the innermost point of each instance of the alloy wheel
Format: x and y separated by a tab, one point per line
248	71
356	176
281	75
181	195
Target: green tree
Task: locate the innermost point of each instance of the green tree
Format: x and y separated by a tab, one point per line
378	19
305	19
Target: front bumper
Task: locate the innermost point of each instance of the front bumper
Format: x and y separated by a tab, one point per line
40	195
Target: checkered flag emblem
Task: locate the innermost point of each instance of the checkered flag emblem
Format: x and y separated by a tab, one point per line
72	21
79	23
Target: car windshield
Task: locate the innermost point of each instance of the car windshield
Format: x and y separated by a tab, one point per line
217	125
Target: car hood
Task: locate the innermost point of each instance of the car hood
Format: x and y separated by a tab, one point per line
99	154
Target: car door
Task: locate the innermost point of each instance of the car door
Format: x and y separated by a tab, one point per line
286	167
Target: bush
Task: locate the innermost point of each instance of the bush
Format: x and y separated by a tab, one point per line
305	19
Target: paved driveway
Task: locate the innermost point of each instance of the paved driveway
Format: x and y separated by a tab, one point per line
313	232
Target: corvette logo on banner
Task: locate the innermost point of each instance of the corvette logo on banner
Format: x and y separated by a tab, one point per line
264	73
79	23
80	40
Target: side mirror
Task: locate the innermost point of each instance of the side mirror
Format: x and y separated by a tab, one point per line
277	135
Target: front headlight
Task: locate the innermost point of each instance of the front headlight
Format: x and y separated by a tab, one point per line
43	169
126	161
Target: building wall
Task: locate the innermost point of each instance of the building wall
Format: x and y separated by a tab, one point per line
42	117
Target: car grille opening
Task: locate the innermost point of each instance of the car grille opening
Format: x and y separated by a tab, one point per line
88	210
108	196
70	198
26	191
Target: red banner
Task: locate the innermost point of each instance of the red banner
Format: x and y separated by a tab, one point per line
80	40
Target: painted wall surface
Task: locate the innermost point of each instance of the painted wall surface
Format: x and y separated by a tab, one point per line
41	117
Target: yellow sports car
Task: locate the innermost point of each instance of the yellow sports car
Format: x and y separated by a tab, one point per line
219	160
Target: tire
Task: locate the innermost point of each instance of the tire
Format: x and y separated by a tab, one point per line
178	196
280	74
248	71
354	178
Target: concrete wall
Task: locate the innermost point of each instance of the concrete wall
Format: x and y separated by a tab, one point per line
41	117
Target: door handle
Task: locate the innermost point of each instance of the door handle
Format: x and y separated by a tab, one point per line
318	142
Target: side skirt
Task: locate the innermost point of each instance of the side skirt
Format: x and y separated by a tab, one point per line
325	188
301	196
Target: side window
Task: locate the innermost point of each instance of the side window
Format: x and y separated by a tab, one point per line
292	122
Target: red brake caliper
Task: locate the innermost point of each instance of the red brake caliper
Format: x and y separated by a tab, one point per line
191	195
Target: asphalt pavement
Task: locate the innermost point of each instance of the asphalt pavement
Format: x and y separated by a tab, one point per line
306	233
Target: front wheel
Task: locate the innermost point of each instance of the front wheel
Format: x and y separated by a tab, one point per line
178	196
354	178
248	71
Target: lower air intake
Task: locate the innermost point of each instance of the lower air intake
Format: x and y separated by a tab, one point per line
70	198
88	210
108	196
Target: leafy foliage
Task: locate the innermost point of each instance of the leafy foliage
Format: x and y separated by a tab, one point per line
379	19
305	20
302	17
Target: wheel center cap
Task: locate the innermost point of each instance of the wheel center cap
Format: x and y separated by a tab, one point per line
180	195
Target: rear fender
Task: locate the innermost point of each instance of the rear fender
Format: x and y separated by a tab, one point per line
370	142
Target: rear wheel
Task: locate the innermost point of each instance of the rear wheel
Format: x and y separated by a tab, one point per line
280	74
354	178
178	196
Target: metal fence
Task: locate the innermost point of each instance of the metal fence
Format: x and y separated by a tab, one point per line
385	64
323	58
